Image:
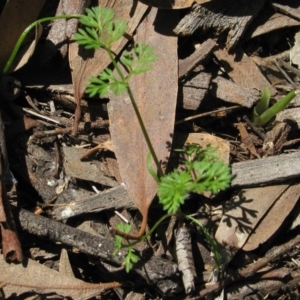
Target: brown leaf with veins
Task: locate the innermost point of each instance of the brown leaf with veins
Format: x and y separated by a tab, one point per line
156	94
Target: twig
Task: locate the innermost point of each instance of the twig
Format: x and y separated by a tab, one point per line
250	270
93	245
207	114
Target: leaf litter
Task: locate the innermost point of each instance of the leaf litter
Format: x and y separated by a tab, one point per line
254	221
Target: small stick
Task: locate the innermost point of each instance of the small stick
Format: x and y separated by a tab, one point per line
207	114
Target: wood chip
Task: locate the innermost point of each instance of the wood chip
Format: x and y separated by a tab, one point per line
266	170
221	16
242	70
114	198
200	56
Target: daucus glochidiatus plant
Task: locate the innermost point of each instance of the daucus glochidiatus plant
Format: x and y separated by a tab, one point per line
203	170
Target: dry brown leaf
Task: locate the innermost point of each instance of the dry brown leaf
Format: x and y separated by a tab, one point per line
83	66
242	70
245	211
172	4
26	51
32	276
156	94
274	218
65	267
15	17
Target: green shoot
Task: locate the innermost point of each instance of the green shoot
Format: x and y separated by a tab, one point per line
203	172
130	257
263	104
214	245
262	114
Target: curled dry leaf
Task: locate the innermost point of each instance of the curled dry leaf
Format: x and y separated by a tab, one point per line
31	276
15	17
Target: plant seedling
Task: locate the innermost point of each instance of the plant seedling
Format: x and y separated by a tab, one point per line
203	172
262	114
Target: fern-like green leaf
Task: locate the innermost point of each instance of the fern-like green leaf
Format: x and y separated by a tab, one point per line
116	30
144	58
172	189
127	60
87	41
130	259
118	239
212	176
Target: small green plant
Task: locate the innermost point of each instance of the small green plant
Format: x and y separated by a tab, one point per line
262	114
203	170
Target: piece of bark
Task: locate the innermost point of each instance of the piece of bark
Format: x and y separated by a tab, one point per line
288	10
290	114
61	30
276	138
194	91
269	70
232	16
246	140
266	170
86	170
242	70
274	22
185	258
243	289
200	56
150	269
114	198
231	92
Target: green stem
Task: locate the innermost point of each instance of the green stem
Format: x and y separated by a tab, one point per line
209	238
150	231
138	115
211	241
24	35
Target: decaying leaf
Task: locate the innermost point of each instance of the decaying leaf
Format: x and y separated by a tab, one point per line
243	214
32	276
15	17
156	94
274	218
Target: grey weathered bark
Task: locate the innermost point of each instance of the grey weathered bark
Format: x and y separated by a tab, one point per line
222	16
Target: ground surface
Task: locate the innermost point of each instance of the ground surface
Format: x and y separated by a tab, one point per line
213	62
